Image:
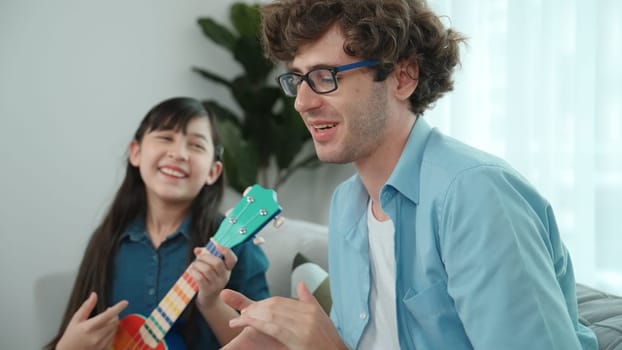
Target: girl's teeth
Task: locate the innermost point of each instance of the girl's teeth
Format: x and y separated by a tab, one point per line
172	172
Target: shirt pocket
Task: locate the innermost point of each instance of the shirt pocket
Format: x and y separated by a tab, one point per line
435	316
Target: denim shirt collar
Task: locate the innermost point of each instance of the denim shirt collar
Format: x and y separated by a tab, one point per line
137	229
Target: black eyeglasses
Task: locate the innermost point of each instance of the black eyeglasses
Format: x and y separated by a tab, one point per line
320	80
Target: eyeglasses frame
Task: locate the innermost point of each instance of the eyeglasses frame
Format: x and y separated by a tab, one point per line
333	71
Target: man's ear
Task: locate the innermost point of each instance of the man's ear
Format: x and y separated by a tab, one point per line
134	153
407	76
214	173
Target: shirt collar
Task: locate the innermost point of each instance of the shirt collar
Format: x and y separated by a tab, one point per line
405	177
137	230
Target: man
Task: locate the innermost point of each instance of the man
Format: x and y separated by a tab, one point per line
433	244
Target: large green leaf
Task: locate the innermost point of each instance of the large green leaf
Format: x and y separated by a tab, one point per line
240	156
245	19
290	134
211	76
259	118
259	130
217	32
248	51
254	99
291	118
222	113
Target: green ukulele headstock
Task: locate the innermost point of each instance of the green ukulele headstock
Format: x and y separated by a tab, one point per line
256	208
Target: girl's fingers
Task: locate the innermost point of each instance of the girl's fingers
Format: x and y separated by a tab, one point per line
111	314
229	256
83	313
236	300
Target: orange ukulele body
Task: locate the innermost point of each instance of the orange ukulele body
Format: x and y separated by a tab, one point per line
128	335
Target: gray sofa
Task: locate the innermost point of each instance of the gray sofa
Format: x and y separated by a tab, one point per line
601	312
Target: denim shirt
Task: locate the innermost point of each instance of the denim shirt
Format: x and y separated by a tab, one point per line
143	275
478	256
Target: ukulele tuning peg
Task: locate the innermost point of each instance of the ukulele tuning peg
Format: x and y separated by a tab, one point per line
258	240
278	221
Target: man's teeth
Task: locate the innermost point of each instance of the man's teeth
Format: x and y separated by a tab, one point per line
324	126
172	172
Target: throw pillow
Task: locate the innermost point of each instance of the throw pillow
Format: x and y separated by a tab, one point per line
314	277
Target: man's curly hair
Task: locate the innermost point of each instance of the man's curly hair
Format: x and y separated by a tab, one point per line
389	31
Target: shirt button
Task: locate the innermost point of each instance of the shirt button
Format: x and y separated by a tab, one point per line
151	291
363	316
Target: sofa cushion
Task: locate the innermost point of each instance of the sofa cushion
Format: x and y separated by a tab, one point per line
315	278
601	312
283	243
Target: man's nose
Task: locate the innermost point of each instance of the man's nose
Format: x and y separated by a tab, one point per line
306	98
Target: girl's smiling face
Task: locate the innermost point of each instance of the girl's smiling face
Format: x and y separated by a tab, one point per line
176	163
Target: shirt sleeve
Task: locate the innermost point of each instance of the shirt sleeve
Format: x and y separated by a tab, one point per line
502	264
249	273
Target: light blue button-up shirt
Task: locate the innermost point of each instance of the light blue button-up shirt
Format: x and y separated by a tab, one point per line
478	256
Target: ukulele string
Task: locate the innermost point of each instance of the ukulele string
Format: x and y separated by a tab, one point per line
230	237
137	342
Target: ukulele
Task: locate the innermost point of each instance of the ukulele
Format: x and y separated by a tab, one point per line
256	208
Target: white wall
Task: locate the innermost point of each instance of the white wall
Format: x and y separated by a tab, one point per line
76	77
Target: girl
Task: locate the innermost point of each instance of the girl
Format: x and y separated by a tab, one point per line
166	206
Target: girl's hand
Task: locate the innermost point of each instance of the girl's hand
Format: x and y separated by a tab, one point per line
95	333
211	273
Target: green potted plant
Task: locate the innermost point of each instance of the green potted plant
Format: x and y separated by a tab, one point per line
267	141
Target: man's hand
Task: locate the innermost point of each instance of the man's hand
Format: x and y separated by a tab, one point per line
282	323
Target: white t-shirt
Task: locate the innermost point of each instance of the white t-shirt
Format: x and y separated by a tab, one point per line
381	331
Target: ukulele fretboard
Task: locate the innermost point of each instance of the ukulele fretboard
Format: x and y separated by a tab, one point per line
169	309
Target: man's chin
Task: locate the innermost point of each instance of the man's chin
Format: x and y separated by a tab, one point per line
333	158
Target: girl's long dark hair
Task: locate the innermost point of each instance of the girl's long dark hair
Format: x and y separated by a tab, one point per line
130	201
